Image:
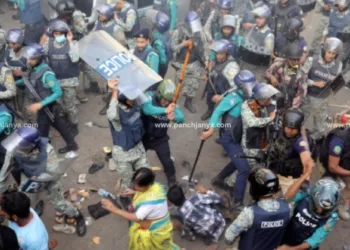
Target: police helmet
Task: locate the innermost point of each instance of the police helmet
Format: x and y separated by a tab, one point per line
244	76
166	90
191	16
221	46
264	91
24	139
15	36
325	194
294	51
293	118
58	25
33	51
106	10
262	11
225	4
162	23
228	21
263	183
294	27
333	44
65	8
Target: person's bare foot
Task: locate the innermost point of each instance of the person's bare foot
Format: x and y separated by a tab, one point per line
215	246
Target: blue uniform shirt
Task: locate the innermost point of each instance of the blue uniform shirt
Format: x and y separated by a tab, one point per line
160	47
336	146
231	103
152	60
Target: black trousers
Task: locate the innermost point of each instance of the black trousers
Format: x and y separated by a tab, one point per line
162	149
60	124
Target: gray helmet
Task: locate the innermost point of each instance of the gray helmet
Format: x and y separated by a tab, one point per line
15	36
333	44
221	46
262	11
106	10
33	51
294	51
325	194
264	91
65	8
58	25
228	21
293	118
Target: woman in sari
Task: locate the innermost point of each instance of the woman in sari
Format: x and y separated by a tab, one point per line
150	225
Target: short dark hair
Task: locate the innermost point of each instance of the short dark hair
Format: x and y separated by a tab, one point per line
176	195
16	203
143	177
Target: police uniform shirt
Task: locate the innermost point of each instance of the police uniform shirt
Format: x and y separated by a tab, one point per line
298	147
130	20
336	146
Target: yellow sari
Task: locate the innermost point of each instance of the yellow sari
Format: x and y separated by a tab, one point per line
152	235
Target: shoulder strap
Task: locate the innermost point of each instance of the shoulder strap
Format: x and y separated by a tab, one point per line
40	73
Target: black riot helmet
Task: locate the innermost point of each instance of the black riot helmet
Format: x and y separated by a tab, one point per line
293	28
263	183
293	51
293	118
65	8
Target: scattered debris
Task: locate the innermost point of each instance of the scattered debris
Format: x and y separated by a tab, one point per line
64	228
107	150
95	167
88	221
65	175
73	195
96	240
111	165
82	179
83	193
92	124
156	168
71	155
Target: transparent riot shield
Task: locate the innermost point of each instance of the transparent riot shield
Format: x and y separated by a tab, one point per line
112	60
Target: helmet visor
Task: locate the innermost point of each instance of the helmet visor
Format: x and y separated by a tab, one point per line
16	142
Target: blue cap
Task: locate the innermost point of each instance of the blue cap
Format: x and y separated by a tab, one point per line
143	33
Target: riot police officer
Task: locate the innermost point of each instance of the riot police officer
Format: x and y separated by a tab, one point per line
221	75
258	44
124	117
283	11
339	26
323	70
128	20
290	152
314	216
157	113
7	84
169	8
212	26
47	87
63	59
289	77
106	21
334	156
190	32
144	50
229	110
228	32
292	35
325	7
160	39
40	171
68	13
31	15
204	10
261	225
248	18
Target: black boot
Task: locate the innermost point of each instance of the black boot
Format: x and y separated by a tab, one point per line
74	130
68	148
81	226
189	106
94	88
207	115
171	181
103	111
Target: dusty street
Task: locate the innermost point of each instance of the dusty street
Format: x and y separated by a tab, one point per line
112	230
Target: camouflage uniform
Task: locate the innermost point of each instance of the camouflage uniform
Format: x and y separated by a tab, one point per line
194	70
6	78
79	25
128	25
279	69
127	162
205	9
2	44
68	85
249	120
52	175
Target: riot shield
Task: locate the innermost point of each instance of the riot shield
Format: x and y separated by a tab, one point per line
112	60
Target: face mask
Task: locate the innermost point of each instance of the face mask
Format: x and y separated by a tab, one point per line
60	39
